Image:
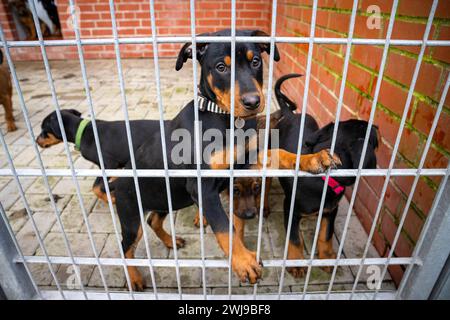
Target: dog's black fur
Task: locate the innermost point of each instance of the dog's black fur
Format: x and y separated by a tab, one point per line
112	136
349	144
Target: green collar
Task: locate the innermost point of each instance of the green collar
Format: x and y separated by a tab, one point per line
79	133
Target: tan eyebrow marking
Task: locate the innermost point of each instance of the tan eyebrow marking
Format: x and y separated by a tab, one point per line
250	55
227	60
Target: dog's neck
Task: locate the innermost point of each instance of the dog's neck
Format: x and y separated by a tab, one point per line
205	89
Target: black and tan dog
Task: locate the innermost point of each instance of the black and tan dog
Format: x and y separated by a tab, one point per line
6	95
214	86
349	145
112	136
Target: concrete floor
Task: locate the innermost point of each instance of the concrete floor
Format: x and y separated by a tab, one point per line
142	104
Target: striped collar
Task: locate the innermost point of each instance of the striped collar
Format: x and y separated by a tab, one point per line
207	105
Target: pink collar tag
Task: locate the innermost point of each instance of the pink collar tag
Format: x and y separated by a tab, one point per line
334	185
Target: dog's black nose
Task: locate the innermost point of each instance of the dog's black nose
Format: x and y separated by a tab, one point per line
251	101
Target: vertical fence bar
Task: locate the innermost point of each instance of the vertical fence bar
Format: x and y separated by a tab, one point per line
163	143
16	280
335	131
416	180
40	162
232	91
425	234
266	134
397	141
130	144
366	139
197	135
97	140
300	142
32	4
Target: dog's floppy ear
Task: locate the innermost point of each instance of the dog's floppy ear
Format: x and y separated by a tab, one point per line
186	52
266	46
370	158
320	136
74	112
311	140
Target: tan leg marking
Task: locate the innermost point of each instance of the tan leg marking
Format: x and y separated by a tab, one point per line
156	223
197	220
137	283
325	247
295	252
243	261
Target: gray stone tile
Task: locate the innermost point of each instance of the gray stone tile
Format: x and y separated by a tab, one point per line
79	243
42	203
26	236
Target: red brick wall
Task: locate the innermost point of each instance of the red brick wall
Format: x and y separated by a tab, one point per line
333	18
133	20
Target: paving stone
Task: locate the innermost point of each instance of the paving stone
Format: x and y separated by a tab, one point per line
17	219
9	195
99	223
38	202
192	248
68	278
166	276
38	185
244	290
26	236
114	277
185	221
41	273
218	277
79	243
66	186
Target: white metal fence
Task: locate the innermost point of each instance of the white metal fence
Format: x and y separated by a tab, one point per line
416	261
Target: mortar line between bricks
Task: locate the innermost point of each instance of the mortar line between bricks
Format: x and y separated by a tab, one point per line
363	13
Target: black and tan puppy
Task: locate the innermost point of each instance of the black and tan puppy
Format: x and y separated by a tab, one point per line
6	95
349	145
246	199
214	86
112	136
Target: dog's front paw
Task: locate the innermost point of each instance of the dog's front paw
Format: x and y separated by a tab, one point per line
11	126
319	162
180	242
136	281
197	221
297	272
246	267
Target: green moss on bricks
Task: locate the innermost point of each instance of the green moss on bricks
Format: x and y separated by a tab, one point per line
384	15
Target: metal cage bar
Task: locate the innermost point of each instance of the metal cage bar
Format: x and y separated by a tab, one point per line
163	144
299	147
97	140
398	138
197	144
32	5
130	146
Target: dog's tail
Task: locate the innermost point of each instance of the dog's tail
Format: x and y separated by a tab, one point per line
287	106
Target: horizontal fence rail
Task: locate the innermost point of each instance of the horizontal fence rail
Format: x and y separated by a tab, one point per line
295	40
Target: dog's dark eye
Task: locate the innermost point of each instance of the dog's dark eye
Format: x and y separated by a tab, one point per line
256	62
221	67
256	189
236	191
